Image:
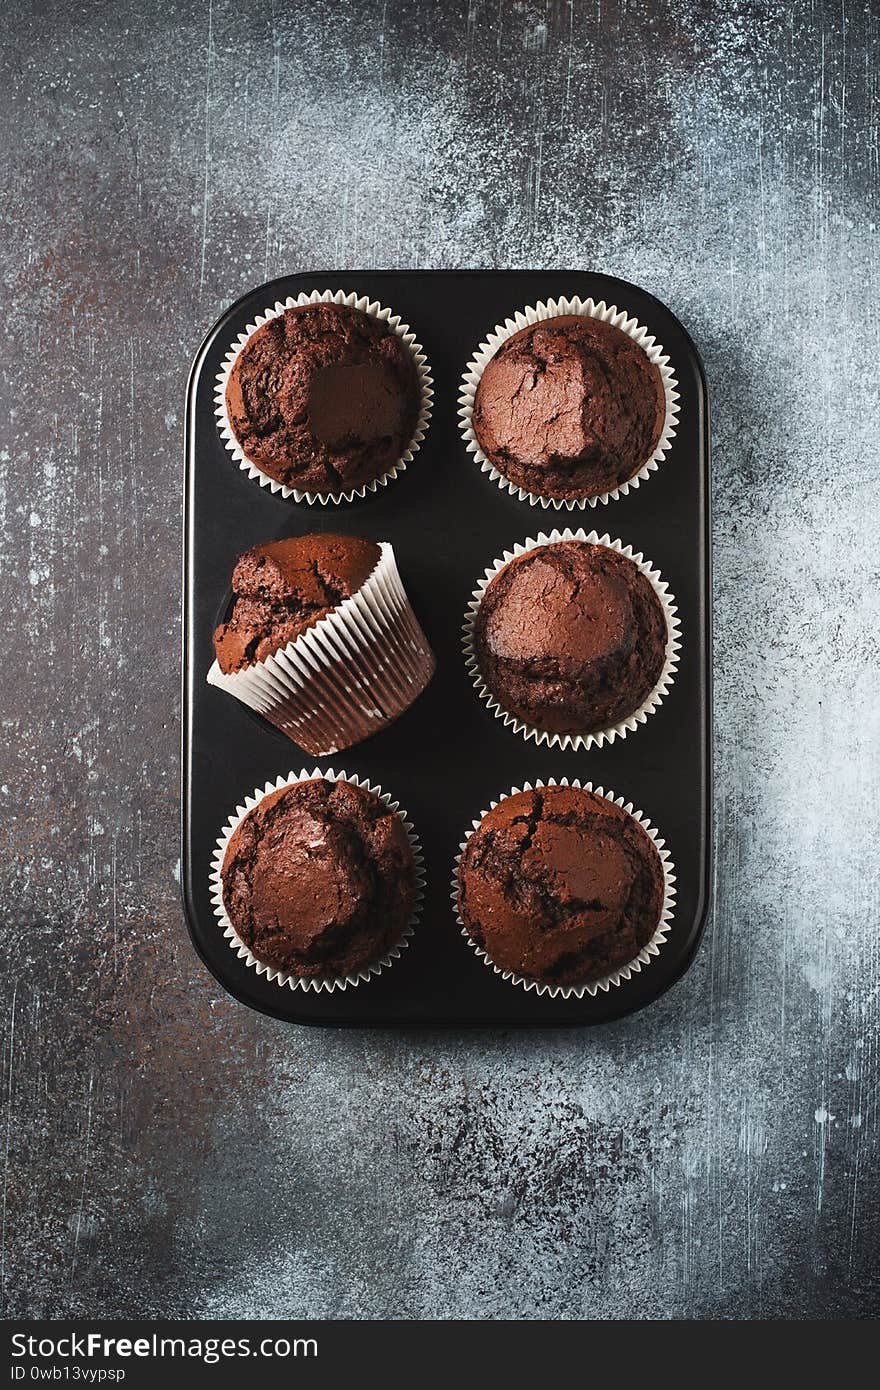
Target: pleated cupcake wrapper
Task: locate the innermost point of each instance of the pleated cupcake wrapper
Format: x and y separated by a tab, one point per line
290	981
649	951
551	309
353	301
348	676
623	726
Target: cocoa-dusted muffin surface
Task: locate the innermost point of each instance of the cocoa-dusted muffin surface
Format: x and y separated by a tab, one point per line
281	588
319	879
570	637
324	398
560	886
570	407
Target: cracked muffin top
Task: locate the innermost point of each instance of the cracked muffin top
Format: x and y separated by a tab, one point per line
324	398
319	879
560	886
570	637
281	588
569	408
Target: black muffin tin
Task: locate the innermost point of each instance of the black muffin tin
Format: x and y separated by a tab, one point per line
448	757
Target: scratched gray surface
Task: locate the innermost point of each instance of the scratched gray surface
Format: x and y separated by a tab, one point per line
164	1150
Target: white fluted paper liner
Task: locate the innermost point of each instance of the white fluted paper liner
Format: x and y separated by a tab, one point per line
348	676
551	309
353	301
623	726
280	977
649	951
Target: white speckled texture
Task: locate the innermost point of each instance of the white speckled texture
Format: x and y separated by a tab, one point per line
714	1156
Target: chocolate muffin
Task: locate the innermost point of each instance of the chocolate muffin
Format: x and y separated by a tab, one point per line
569	408
570	637
281	588
324	398
560	886
319	879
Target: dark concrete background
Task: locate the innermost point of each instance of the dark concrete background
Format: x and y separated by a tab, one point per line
164	1150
